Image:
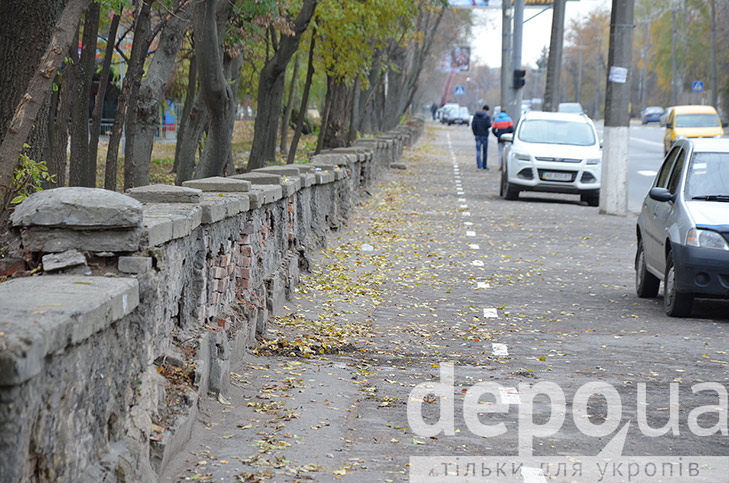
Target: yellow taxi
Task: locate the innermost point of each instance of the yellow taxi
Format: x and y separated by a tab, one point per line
691	122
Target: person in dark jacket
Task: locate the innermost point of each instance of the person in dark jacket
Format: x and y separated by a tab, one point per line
503	124
480	126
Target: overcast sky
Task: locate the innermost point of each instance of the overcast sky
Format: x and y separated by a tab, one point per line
486	44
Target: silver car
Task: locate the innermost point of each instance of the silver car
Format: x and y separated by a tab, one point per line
683	227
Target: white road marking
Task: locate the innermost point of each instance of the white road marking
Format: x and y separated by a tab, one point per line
464	206
509	395
477	263
462	199
460	192
533	475
473	246
499	349
466	213
482	285
645	141
467	223
470	233
490	313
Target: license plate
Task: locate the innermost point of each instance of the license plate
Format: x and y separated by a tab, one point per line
553	176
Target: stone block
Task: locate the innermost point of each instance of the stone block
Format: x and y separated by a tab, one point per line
290	186
135	264
218	184
271	192
162	193
255	199
164	222
324	177
307	179
259	177
55	240
78	209
71	309
59	261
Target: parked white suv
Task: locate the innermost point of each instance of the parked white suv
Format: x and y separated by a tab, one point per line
552	152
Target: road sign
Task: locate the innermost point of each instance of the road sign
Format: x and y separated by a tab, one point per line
460	91
697	86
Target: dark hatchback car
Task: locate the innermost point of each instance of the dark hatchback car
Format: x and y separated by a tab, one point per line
683	227
652	114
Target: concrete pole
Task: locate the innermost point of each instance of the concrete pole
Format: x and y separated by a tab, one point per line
506	66
714	86
516	93
554	63
596	115
644	70
579	78
674	87
615	156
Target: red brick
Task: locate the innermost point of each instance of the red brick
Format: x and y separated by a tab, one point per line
244	239
245	273
218	272
245	262
246	251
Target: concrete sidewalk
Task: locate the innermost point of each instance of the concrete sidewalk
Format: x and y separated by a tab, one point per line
437	269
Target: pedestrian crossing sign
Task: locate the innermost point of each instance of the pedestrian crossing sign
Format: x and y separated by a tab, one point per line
460	91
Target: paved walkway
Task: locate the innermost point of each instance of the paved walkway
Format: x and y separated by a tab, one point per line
437	269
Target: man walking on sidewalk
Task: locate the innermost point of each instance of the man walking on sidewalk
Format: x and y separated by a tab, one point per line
480	126
502	124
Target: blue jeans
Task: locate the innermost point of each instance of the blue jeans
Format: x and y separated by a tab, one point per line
482	145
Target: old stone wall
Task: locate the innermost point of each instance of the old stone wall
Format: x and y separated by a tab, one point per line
141	302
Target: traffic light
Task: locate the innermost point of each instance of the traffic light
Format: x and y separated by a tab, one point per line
519	78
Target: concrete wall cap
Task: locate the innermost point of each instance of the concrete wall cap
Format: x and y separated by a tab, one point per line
163	193
258	177
218	184
71	309
78	208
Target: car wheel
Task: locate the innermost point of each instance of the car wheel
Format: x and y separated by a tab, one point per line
675	303
592	199
646	284
507	191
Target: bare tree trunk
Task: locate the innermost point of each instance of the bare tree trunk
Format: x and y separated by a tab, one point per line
289	107
232	69
354	111
325	117
304	101
270	91
188	143
101	92
82	173
139	49
149	98
26	111
186	110
339	107
214	90
395	90
142	34
59	159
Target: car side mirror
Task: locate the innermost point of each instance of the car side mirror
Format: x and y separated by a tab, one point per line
661	194
724	124
507	138
669	125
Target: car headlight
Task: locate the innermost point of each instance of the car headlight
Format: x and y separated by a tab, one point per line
594	161
706	239
522	156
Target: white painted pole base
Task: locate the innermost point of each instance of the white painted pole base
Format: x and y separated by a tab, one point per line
614	186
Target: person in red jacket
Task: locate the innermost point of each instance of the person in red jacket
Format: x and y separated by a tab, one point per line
502	124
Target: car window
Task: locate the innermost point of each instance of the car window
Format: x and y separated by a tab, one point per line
676	172
708	175
697	120
662	177
557	132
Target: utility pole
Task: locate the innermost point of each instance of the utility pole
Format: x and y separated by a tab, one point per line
614	192
516	90
506	67
554	63
714	87
674	87
598	60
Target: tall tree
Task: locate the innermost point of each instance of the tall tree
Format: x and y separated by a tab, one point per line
149	97
81	172
271	85
215	91
16	131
